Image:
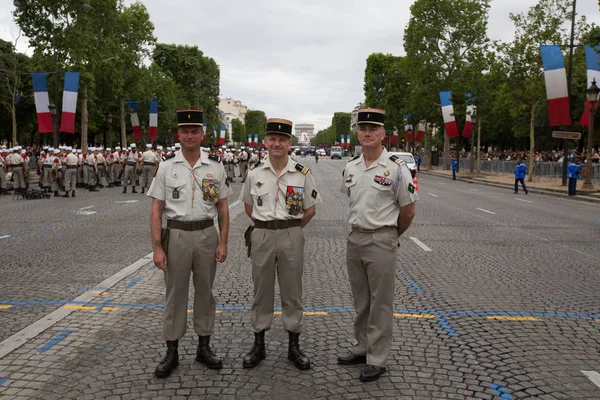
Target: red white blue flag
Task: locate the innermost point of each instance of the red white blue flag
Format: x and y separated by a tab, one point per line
153	119
448	114
40	92
420	132
249	139
468	128
592	62
222	135
135	121
348	141
557	94
69	108
256	139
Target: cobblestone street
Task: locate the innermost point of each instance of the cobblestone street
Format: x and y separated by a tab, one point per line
497	296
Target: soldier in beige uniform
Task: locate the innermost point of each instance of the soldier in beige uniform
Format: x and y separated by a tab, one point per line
3	181
381	208
189	187
280	198
47	177
19	169
102	167
86	169
71	161
131	165
150	163
92	167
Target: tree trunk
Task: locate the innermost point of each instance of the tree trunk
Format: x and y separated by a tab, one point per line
13	112
446	152
478	146
123	128
430	147
532	143
84	119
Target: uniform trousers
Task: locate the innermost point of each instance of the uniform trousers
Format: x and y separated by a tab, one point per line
147	175
572	186
243	169
522	181
129	175
18	178
115	169
278	251
3	182
70	179
102	173
190	252
91	175
85	171
371	261
47	177
230	169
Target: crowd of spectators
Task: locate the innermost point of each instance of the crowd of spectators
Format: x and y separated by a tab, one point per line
539	156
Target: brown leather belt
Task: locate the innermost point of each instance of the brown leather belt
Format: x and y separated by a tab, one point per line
190	225
358	229
277	224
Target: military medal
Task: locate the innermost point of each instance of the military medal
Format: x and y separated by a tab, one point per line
175	193
386	172
259	202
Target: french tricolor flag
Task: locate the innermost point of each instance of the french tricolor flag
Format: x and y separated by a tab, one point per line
348	141
69	108
448	114
135	121
556	85
592	60
342	142
420	132
40	90
394	137
256	139
153	119
222	136
468	128
249	139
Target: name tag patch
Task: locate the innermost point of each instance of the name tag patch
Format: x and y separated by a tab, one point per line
382	180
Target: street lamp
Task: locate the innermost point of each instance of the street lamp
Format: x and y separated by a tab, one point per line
472	157
109	120
52	108
143	128
592	95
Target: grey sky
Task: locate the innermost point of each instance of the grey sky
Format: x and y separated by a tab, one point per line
301	60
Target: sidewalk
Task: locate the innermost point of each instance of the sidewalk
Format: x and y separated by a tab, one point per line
547	187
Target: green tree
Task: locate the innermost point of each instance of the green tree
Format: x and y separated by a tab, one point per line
340	124
238	131
256	122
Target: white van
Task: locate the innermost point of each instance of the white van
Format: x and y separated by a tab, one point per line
336	152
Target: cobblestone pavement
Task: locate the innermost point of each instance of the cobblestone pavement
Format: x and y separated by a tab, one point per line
496	297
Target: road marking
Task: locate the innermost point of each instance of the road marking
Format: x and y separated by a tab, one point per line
474	190
414	286
509	318
592	376
50	344
126	201
446	325
500	391
191	310
419	243
21	337
85	212
434	195
489	212
79	307
85	208
406	315
306	313
6	236
5	306
523	200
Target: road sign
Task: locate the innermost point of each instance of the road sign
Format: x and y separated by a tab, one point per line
566	135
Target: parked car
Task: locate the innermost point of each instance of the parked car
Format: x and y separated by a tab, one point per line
322	152
409	160
336	152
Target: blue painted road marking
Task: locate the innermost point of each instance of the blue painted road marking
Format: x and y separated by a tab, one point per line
2	381
52	342
414	286
442	321
133	282
500	391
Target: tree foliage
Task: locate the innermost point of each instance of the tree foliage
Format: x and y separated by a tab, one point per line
238	131
256	122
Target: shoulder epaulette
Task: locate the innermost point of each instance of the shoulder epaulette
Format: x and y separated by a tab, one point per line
397	160
168	157
256	165
214	157
302	168
354	158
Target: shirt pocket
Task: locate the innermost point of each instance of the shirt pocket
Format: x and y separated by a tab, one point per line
176	189
350	186
260	195
383	193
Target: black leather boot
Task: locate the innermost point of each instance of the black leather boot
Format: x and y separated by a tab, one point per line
73	193
66	194
170	362
133	190
206	356
257	353
143	190
93	189
295	355
56	193
124	189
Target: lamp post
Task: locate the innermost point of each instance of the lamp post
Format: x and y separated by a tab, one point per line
109	120
592	95
472	157
143	128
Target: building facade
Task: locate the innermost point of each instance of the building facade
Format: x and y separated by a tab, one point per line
230	109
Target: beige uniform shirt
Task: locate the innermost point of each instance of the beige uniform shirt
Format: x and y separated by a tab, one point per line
189	192
100	159
279	198
377	193
71	159
149	156
90	159
15	159
133	157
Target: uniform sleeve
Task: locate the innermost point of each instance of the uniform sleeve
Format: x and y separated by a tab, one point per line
343	187
406	192
225	189
311	195
157	187
245	193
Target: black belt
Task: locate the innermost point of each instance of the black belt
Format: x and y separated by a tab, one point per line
16	165
277	224
46	166
131	163
151	164
190	225
358	229
71	166
88	165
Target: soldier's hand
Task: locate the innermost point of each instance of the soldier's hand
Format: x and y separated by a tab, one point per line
221	253
160	259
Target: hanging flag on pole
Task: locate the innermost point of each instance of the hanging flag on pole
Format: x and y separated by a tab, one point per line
256	139
342	142
420	132
592	60
348	141
468	128
448	114
153	119
395	136
556	85
69	108
222	136
249	139
135	121
40	93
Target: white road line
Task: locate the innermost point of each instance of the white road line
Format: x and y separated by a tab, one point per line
592	376
127	201
85	208
419	243
523	200
434	195
5	236
474	190
85	212
21	337
489	212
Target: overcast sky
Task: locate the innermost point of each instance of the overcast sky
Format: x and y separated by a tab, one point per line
301	60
